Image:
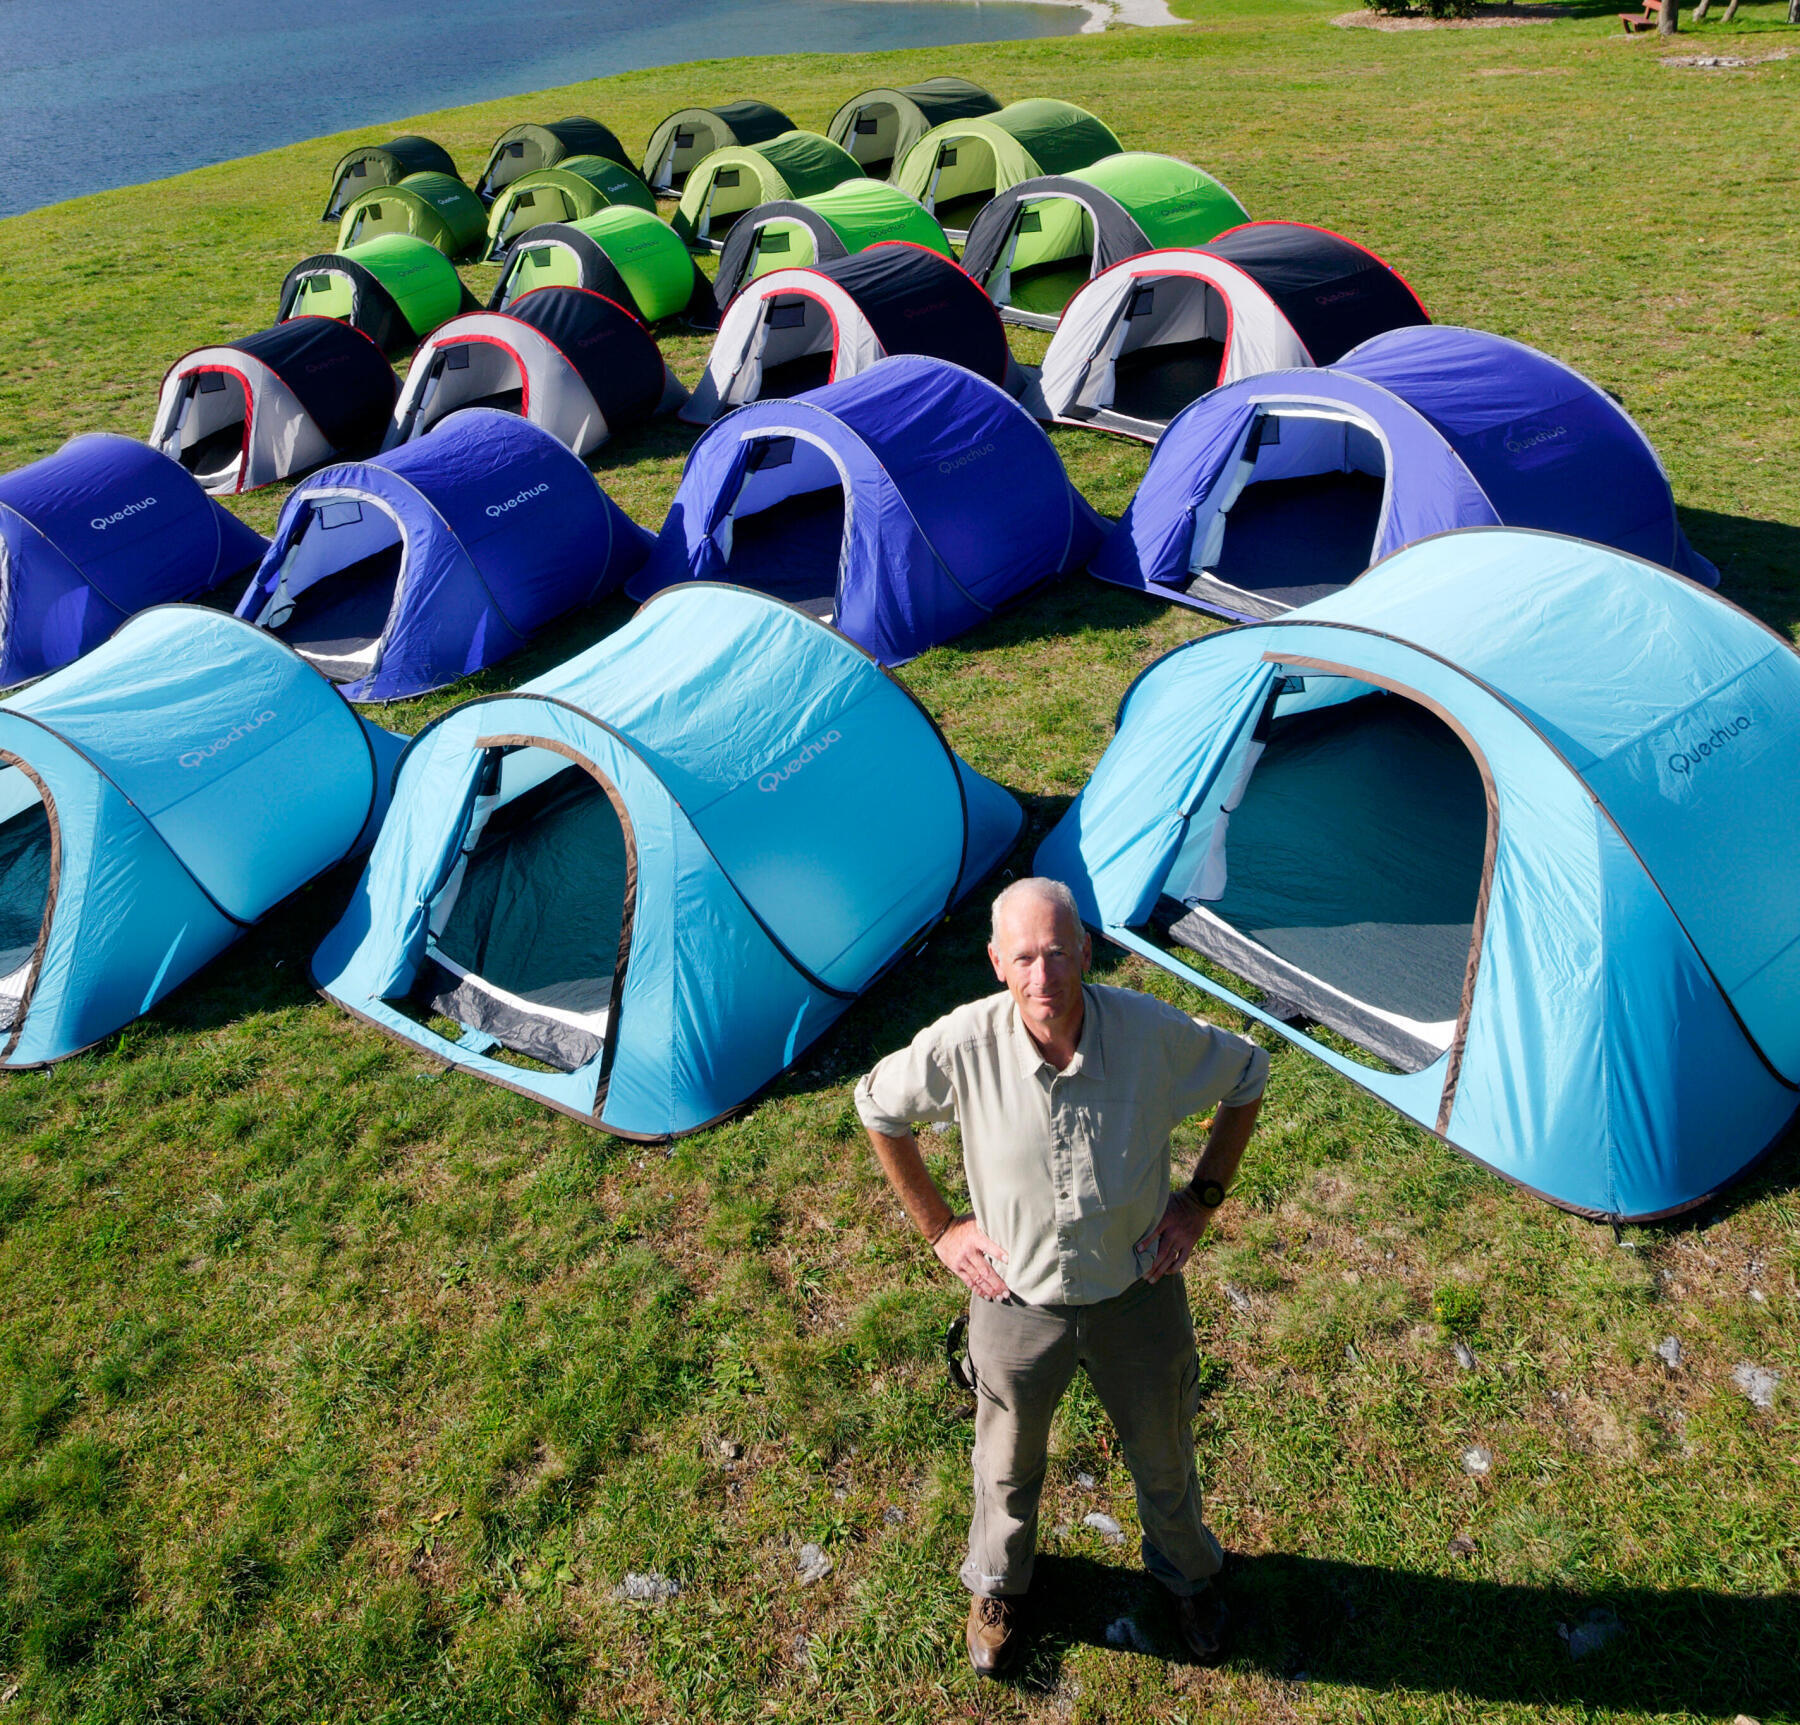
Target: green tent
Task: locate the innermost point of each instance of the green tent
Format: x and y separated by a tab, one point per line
957	167
395	289
689	135
1038	242
572	189
627	254
831	224
435	208
371	165
523	149
881	125
733	180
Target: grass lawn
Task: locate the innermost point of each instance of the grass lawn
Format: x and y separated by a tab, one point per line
335	1388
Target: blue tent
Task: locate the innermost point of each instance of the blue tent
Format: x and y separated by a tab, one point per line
100	529
664	868
902	505
1281	488
400	574
156	798
1514	815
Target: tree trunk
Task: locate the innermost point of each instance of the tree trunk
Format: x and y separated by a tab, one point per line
1702	9
1668	20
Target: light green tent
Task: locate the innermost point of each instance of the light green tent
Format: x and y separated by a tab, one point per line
880	126
572	189
394	288
738	178
435	208
625	253
1036	243
796	232
957	167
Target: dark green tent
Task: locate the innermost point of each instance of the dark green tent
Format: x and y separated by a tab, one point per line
525	148
881	125
372	165
689	135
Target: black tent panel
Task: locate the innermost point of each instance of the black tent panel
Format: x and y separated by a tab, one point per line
942	100
1116	233
617	357
919	302
378	315
754	122
580	136
337	373
740	253
1335	293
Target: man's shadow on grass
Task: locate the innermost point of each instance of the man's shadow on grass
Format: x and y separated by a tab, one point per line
1319	1620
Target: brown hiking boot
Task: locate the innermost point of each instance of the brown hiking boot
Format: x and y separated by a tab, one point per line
993	1634
1203	1624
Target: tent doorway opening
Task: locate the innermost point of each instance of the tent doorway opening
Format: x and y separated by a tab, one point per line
530	931
1048	257
734	192
325	293
532	208
874	136
25	884
467	374
963	179
1296	519
796	347
550	265
1166	349
337	586
212	427
785	533
1345	876
781	245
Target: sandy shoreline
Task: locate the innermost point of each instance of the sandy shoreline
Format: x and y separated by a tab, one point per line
1100	13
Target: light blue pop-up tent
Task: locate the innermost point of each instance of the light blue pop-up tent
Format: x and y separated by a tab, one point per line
156	798
1514	814
664	868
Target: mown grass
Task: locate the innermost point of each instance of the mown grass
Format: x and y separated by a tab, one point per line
332	1387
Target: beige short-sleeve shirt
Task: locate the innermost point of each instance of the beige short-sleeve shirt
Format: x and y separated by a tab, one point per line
1067	1170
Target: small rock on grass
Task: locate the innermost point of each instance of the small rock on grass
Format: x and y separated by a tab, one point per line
1465	1355
1477	1459
1104	1525
1124	1632
1757	1382
814	1564
1668	1350
1462	1546
893	1515
1236	1295
1086	1481
1591	1636
647	1589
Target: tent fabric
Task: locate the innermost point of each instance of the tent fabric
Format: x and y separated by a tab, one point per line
957	167
792	233
691	134
529	147
879	126
797	329
905	504
577	187
1242	509
730	181
436	208
394	288
371	165
104	528
248	413
1335	293
786	822
156	799
1038	241
1627	1034
401	574
625	254
567	359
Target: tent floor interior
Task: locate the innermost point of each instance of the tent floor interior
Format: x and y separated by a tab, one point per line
216	455
24	892
1047	288
1156	383
1354	862
503	400
794	376
1289	541
957	213
336	621
792	550
536	924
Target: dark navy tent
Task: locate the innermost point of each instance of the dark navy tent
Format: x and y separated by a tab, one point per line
156	799
663	870
903	505
1274	491
247	413
101	529
1515	815
401	574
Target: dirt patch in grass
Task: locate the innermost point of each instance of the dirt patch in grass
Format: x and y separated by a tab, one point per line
1488	18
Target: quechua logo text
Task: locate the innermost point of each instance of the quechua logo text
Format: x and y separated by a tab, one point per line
237	733
809	752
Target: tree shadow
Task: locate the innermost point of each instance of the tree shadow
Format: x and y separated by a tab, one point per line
1321	1620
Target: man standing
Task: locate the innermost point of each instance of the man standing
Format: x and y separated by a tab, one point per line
1066	1094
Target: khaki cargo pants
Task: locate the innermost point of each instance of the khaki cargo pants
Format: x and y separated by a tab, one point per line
1138	1351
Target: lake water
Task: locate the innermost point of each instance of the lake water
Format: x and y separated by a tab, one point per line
99	93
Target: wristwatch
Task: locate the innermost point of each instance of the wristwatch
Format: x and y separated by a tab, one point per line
1210	1193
